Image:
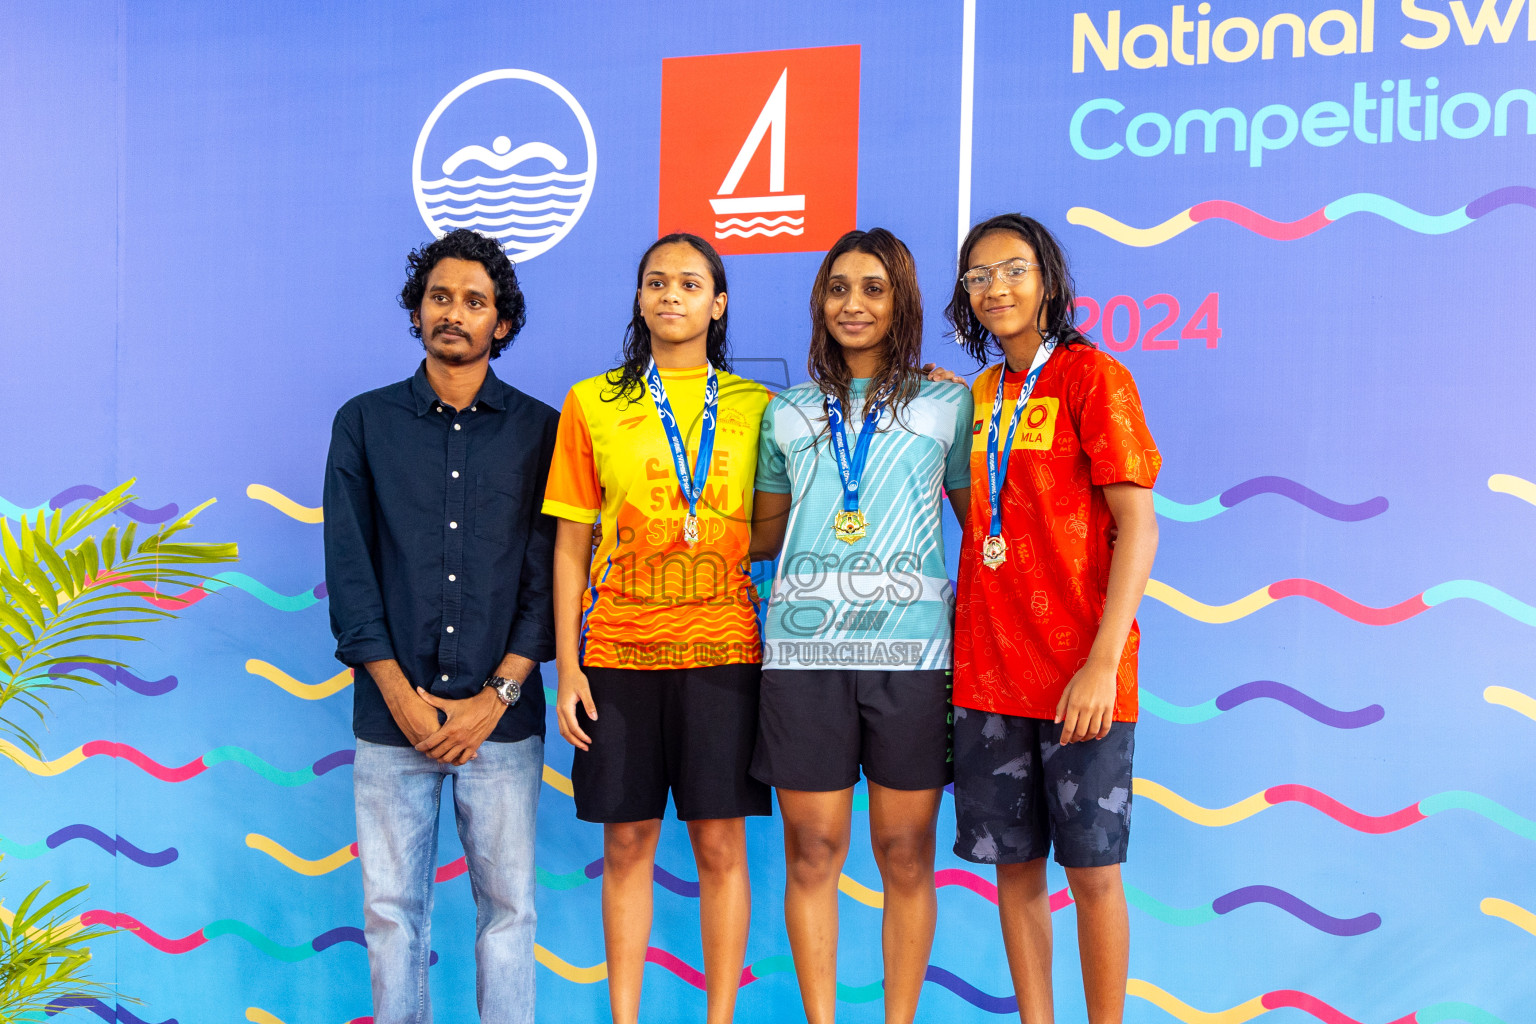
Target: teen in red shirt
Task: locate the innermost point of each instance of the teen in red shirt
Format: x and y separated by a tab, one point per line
1045	632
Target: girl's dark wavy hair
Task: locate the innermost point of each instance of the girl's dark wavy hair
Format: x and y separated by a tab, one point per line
464	244
1058	310
898	378
627	380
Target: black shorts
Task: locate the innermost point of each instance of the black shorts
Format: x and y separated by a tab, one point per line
688	730
1019	792
818	726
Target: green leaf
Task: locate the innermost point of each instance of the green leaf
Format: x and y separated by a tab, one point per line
125	545
19	595
19	625
11	549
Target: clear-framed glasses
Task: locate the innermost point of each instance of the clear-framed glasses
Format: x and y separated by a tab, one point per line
1010	272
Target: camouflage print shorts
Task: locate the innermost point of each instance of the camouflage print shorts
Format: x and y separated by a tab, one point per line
1019	792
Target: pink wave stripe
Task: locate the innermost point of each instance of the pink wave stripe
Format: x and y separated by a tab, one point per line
1292	999
1368	823
662	958
1346	607
1282	231
166	602
165	773
453	869
143	931
986	890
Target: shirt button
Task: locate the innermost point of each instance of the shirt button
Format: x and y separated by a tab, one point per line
455	474
450	629
451	577
445	679
457	426
453	526
474	408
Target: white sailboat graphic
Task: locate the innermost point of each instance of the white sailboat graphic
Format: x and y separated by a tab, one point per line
771	122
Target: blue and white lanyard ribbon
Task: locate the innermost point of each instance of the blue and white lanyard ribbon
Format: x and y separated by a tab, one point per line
997	462
851	468
692	482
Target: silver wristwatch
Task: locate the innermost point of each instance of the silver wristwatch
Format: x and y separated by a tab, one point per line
507	690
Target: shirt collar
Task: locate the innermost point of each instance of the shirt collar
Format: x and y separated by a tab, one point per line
493	392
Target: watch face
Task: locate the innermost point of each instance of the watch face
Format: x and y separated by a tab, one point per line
511	690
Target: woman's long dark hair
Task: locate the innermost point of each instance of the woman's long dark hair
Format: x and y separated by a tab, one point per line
1058	310
627	380
897	380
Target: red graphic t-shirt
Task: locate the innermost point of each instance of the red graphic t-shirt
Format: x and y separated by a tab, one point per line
1023	629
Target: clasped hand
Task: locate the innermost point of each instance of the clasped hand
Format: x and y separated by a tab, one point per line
465	725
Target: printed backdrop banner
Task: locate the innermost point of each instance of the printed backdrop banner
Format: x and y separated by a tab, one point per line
1307	231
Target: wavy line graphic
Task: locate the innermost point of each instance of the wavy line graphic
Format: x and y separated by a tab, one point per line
117	676
1511	912
767	222
229	926
304	691
112	845
1516	701
1260	689
256	1015
284	504
767	232
1285	488
167	773
224	580
1217	817
1503	483
1286	231
85	492
1283	999
118	1014
1471	590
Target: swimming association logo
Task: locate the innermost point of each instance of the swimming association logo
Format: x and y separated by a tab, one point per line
510	154
760	151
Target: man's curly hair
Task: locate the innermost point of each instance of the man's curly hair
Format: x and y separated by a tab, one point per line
464	244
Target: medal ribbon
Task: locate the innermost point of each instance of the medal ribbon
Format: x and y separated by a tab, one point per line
851	469
997	462
692	483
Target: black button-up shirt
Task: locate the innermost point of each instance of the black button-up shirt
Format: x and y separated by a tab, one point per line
436	552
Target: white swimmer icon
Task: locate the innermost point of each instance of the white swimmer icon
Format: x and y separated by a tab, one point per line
504	157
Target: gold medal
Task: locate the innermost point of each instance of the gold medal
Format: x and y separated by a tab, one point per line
994	551
691	529
850	526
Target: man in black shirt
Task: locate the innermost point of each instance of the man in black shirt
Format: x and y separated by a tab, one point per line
438	565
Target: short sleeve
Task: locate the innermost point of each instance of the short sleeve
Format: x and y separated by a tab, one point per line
1113	428
772	472
957	466
573	491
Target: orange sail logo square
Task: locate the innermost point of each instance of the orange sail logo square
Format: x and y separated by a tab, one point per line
760	151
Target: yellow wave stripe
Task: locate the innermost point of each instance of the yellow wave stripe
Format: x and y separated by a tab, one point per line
1186	605
256	1015
558	782
287	506
1213	817
1104	224
570	972
860	892
1513	485
70	927
57	766
1176	1007
293	862
304	691
1511	912
1516	701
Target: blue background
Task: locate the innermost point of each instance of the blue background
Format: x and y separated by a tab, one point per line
207	210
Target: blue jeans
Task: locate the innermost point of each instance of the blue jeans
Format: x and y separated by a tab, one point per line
495	799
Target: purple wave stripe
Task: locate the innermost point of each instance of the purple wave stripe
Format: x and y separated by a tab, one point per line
1309	706
330	762
112	1015
594	869
133	510
348	933
1303	496
320	591
112	844
1297	908
681	886
1512	195
970	993
117	676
